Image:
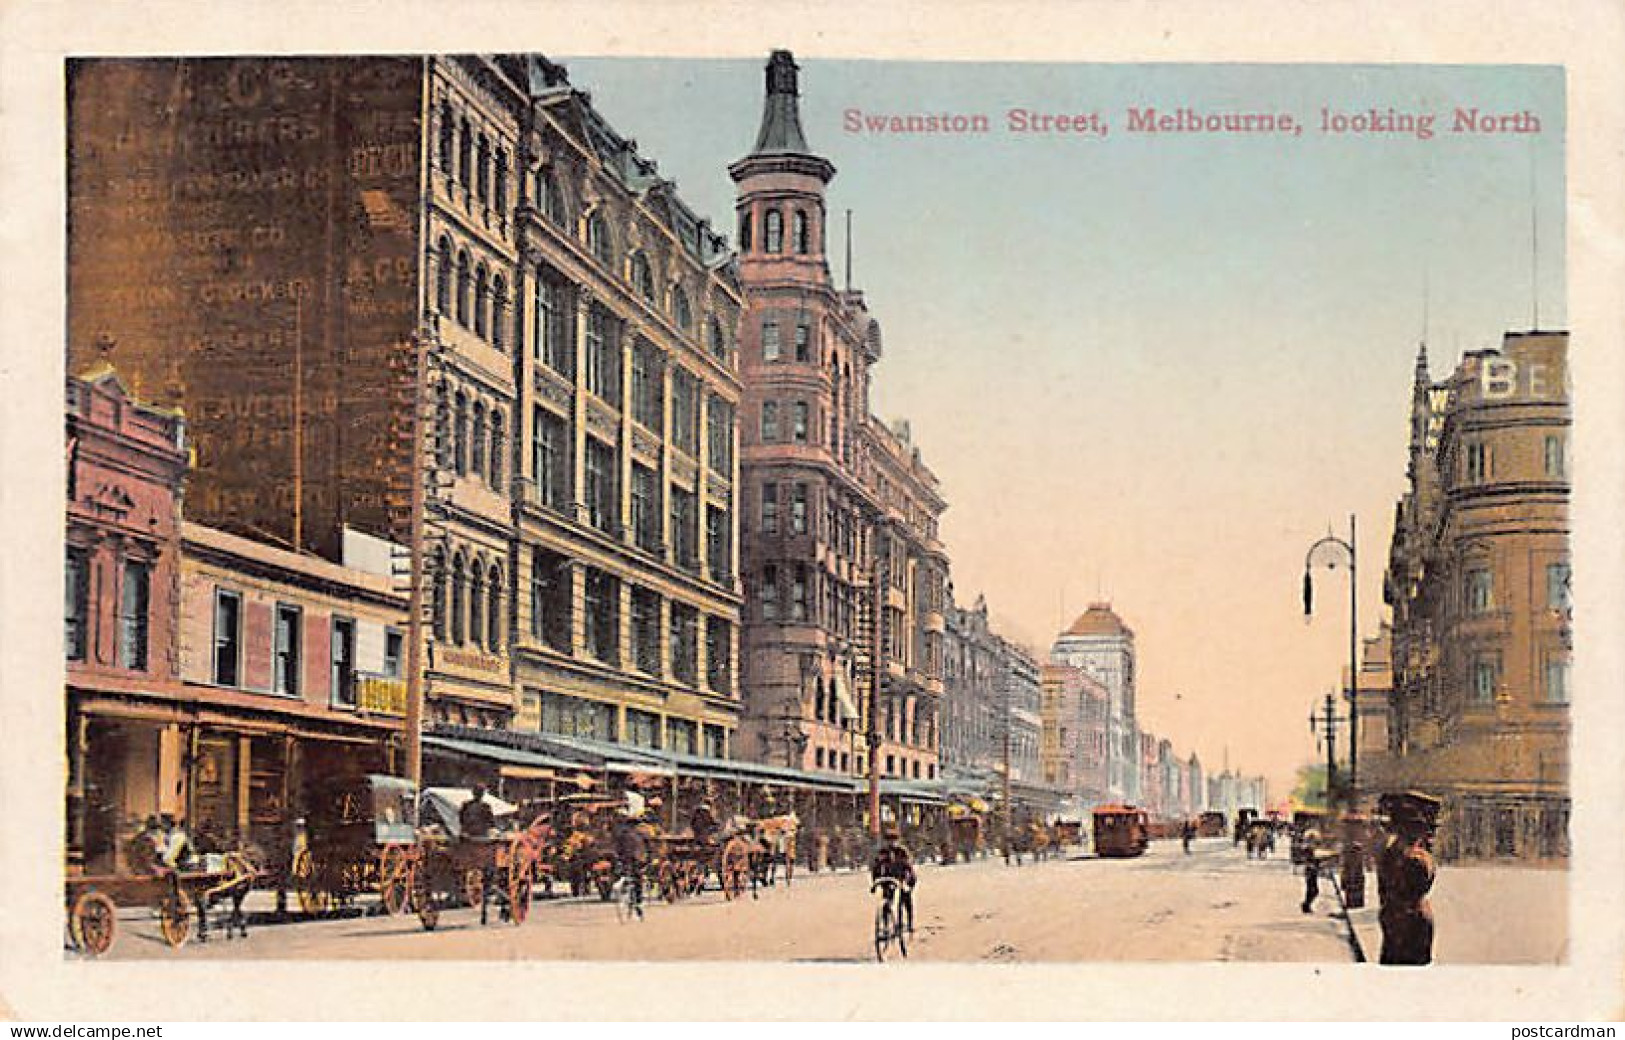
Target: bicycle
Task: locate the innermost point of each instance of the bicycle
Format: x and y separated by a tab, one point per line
889	925
629	895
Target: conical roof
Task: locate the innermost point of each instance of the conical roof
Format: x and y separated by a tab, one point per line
1098	620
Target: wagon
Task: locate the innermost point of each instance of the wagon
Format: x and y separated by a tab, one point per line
360	836
681	864
449	871
93	901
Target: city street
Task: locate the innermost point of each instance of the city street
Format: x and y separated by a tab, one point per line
1214	905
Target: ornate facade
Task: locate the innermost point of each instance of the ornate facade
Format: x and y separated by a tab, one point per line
846	575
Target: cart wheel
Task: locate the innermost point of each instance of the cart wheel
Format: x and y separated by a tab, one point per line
519	898
313	897
394	879
174	918
93	923
473	886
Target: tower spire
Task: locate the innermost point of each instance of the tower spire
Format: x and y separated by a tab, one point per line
781	110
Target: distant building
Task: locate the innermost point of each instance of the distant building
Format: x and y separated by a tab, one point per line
1103	647
1479	582
1073	748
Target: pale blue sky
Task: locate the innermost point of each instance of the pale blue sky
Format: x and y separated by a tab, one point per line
1156	367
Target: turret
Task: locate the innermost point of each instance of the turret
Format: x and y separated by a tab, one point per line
781	182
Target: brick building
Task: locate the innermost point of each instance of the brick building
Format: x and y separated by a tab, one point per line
1478	579
840	550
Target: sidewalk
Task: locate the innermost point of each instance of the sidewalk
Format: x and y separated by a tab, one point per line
1486	915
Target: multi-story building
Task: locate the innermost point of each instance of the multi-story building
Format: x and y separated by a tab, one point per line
971	709
1073	745
1099	643
1376	700
1022	696
1152	796
1478	579
839	546
272	242
1195	786
627	557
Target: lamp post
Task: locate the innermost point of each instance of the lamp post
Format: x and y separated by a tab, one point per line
1331	552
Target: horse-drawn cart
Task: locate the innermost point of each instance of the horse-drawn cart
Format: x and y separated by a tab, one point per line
360	836
93	901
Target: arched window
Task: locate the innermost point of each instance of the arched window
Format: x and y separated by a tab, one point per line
718	341
458	600
499	447
643	280
464	288
499	311
460	436
443	276
476	604
681	313
482	300
598	242
482	178
773	231
477	442
493	611
744	231
438	596
448	140
798	231
465	155
549	198
443	427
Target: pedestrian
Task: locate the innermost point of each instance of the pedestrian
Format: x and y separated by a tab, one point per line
1405	874
1312	861
1186	833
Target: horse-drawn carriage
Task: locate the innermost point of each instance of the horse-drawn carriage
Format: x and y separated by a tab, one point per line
93	901
965	827
360	835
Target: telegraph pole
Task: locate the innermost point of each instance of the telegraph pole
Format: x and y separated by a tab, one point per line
420	472
877	669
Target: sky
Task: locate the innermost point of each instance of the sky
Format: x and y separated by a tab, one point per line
1153	369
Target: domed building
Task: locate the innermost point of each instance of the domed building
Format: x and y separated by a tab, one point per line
1102	646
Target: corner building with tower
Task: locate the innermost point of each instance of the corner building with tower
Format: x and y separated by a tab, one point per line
846	578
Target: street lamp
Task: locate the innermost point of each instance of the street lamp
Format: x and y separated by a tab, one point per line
1332	552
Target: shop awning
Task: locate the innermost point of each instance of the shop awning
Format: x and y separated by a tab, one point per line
507	757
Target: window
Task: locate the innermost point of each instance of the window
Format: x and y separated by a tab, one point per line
798	594
681	312
718	341
773	225
459	605
477	441
1486	677
285	663
228	637
394	652
438	598
550	459
444	270
716	742
550	591
1480	591
553	328
682	736
598	242
798	509
602	616
448	141
803	337
718	655
717	544
493	609
603	356
1556	687
499	191
465	155
685	529
499	311
1479	466
601	505
476	603
770	508
643	279
76	607
648	389
134	597
549	199
646	631
770	421
642	729
719	418
798	231
577	717
1557	586
482	179
482	301
460	436
684	646
685	411
343	657
769	593
464	288
744	232
798	426
770	341
1555	466
499	449
645	508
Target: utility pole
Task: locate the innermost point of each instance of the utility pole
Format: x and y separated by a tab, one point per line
882	579
1007	691
1325	724
420	471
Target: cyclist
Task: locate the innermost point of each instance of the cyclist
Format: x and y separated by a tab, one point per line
631	851
892	860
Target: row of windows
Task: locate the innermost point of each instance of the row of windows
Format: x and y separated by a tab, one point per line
470	159
1484	680
1478	460
1478	589
597	720
134	608
472	294
553	609
468	602
287	657
471	437
773	231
